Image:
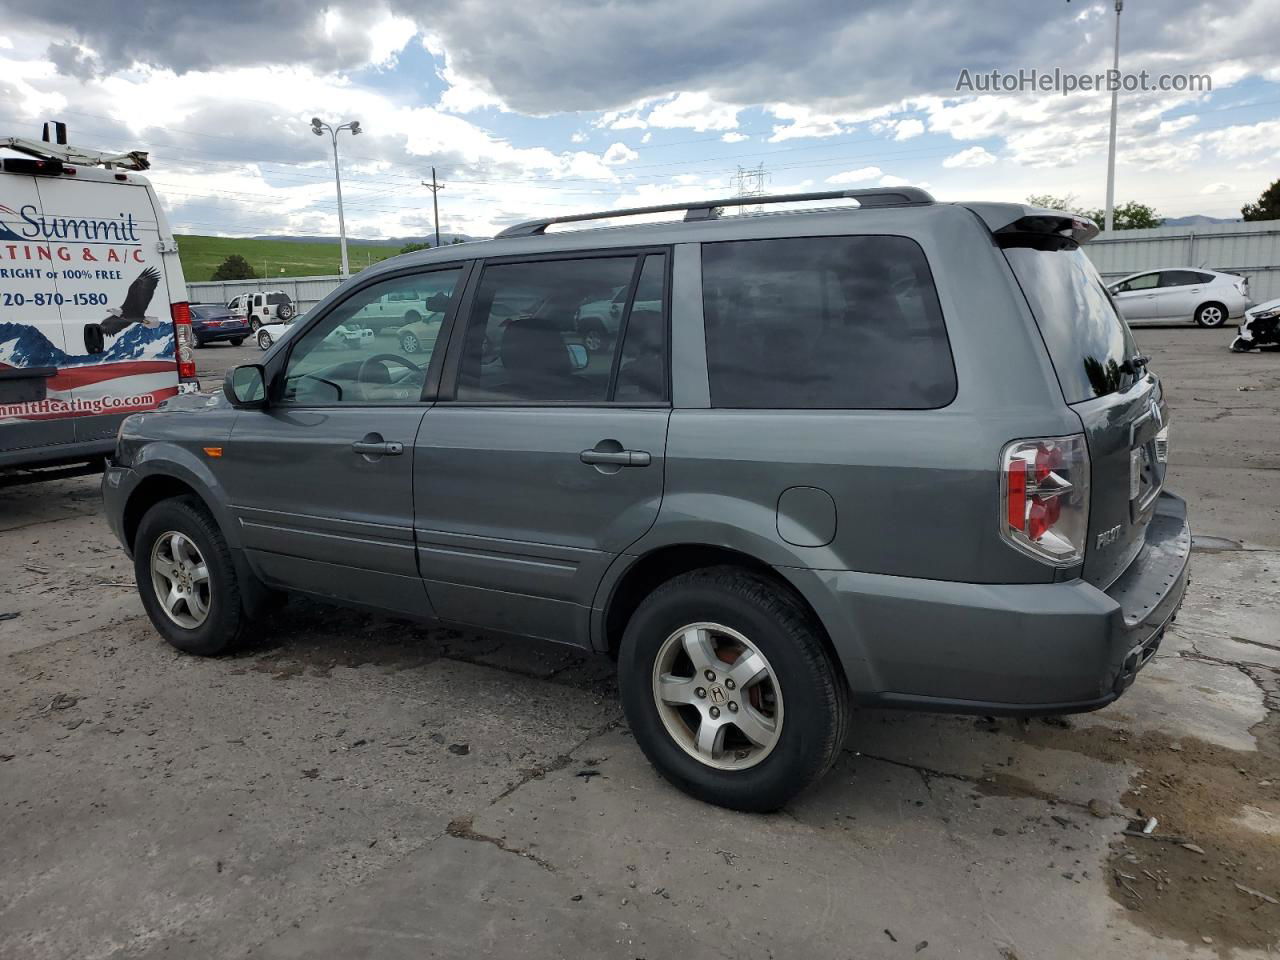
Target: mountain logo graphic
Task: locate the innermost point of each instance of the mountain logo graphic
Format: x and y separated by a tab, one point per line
6	232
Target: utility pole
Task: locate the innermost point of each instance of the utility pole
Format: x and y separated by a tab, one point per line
1109	219
435	189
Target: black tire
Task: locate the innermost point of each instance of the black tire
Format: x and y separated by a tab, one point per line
284	312
814	691
595	337
226	619
254	324
236	341
200	343
409	343
1211	315
1241	345
264	339
411	316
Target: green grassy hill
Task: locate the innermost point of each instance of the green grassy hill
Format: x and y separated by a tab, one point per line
274	258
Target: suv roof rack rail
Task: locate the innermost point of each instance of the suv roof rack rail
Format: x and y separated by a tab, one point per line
43	150
708	209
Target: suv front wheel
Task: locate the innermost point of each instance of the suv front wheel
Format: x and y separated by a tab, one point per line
729	689
186	578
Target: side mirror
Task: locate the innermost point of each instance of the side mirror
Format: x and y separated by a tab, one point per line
438	302
245	387
578	355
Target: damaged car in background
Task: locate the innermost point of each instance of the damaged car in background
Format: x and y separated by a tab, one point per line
1260	328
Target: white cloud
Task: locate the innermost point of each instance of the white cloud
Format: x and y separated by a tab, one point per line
5	42
647	137
861	175
619	153
461	94
694	111
888	180
908	128
622	120
1219	187
973	157
734	137
578	137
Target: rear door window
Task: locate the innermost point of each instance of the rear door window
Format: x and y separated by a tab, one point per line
1087	340
824	323
1178	278
524	341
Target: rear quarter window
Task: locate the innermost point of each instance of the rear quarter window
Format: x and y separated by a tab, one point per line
1085	336
824	323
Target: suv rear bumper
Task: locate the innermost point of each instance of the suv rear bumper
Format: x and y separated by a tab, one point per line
1009	648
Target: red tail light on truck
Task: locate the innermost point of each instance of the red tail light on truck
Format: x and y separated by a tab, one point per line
184	340
1044	495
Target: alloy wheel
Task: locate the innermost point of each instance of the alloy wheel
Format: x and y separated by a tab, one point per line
180	577
718	696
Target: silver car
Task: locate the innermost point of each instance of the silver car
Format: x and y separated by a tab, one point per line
1182	293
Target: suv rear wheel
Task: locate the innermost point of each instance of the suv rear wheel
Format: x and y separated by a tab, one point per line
187	579
729	689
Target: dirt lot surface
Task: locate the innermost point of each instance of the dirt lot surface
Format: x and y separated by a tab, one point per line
354	786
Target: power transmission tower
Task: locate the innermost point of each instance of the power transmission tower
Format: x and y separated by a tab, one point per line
435	189
750	182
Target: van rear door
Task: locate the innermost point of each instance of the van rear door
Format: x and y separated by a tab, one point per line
113	278
32	343
1119	403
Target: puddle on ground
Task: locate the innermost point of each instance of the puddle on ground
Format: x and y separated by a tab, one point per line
1224	802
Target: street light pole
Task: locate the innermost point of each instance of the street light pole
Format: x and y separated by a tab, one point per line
1111	146
318	127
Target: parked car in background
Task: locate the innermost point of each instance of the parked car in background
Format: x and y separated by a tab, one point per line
212	322
1260	328
275	332
262	308
106	338
801	479
1181	293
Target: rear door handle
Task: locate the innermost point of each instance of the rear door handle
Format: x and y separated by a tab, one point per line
378	448
617	458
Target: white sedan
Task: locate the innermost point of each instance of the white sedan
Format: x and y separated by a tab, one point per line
1181	293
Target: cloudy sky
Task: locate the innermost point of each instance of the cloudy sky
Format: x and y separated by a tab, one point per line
546	107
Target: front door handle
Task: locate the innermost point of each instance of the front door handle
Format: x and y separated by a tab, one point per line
377	448
617	458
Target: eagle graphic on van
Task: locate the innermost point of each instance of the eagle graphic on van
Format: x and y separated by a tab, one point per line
6	232
133	310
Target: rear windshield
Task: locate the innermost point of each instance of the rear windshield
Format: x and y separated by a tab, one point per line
824	323
1086	338
274	298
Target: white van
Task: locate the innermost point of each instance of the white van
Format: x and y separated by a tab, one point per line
94	323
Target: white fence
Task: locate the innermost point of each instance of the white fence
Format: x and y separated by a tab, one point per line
1249	249
305	292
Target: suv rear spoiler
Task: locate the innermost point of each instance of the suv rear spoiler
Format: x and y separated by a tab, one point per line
1017	220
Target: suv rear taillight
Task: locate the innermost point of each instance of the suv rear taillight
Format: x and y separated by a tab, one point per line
1044	498
184	345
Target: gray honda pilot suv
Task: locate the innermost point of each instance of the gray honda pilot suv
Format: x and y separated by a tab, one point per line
903	453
